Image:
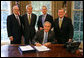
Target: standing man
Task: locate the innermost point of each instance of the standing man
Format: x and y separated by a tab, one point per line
43	18
29	21
14	28
63	28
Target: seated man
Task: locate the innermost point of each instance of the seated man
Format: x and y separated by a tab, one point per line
45	36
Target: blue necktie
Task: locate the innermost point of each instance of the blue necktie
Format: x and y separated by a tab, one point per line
43	19
45	38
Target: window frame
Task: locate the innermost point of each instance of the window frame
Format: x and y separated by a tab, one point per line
72	16
5	41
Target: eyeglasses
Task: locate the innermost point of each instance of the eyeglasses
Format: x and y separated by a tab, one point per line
16	9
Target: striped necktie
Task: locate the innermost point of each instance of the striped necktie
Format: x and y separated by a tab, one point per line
29	19
45	37
60	23
17	17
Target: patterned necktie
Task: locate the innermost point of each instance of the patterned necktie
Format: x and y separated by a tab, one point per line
60	23
29	19
45	37
17	17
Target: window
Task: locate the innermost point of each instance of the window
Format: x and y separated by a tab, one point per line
37	6
77	17
5	11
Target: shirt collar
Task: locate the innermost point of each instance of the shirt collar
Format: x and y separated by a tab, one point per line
62	18
45	15
45	32
28	14
15	15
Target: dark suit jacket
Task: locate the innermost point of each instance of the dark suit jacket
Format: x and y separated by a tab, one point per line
48	18
14	29
28	30
66	31
40	35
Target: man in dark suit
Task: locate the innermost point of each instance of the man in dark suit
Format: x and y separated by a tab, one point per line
14	28
43	18
44	37
29	21
63	28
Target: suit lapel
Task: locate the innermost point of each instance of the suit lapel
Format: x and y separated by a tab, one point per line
63	23
57	23
26	16
46	17
31	18
41	20
15	20
42	36
14	16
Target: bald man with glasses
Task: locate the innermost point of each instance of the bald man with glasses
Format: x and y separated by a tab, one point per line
14	26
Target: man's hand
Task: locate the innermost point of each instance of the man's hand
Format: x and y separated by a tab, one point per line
37	44
70	40
47	44
11	38
41	28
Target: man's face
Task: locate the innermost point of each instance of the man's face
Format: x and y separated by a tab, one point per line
29	10
47	27
61	13
44	10
16	10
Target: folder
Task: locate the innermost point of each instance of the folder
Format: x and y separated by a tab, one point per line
26	48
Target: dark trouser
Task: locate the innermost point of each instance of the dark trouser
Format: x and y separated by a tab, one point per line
62	41
29	37
16	41
26	41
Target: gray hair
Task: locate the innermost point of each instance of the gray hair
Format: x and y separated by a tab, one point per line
29	5
61	9
44	6
15	6
46	23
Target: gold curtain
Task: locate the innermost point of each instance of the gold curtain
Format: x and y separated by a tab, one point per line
55	6
69	3
22	5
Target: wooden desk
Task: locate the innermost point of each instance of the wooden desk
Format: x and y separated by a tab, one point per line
57	50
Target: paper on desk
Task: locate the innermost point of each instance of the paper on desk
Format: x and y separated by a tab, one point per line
41	48
26	48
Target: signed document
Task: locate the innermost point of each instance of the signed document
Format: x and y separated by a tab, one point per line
41	48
